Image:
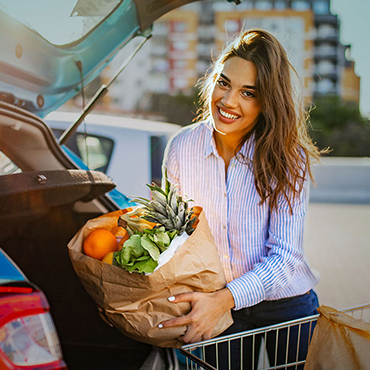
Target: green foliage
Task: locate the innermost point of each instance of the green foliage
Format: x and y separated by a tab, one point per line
140	253
180	109
340	126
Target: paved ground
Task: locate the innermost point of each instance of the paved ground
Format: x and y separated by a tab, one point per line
337	243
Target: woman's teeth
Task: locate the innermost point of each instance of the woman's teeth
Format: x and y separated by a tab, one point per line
227	115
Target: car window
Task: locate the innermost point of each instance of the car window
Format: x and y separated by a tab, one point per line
60	22
7	167
94	150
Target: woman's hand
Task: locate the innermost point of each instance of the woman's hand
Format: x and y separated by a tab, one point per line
206	311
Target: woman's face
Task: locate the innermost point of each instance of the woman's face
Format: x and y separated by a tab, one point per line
234	103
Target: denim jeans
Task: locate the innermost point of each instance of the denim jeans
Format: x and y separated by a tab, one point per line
264	314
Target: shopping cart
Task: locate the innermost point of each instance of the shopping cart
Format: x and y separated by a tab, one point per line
258	341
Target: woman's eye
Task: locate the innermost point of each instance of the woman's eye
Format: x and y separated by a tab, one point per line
249	94
222	83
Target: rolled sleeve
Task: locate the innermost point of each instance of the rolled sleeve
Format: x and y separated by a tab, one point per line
247	290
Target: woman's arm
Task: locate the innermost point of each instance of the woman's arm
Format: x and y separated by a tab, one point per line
285	252
273	273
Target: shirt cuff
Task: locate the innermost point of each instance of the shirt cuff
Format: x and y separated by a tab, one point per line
247	290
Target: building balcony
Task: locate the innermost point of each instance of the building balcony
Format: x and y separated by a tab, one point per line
331	56
326	18
333	76
331	39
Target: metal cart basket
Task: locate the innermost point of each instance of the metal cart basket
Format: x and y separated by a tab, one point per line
258	342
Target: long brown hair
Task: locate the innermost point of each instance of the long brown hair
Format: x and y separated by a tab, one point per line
283	148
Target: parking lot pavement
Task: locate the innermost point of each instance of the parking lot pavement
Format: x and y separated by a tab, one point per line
337	244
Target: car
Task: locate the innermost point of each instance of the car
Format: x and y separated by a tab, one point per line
118	146
28	337
50	49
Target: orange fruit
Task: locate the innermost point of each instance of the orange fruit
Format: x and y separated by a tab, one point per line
196	212
100	242
122	241
108	258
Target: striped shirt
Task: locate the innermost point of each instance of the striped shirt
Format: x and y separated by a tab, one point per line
260	250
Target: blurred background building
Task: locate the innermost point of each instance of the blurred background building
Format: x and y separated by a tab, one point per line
184	42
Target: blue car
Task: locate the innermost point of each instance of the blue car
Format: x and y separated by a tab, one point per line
49	50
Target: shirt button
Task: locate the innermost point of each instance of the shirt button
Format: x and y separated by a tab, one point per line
225	195
226	256
224	227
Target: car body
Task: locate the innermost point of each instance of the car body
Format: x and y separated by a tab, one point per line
118	146
46	196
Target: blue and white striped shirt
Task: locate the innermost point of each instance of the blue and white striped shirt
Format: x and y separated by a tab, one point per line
260	251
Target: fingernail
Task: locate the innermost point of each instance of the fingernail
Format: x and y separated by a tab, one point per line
160	326
171	299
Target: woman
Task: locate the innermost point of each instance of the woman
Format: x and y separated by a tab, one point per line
247	163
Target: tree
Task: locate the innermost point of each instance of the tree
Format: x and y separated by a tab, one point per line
180	108
339	125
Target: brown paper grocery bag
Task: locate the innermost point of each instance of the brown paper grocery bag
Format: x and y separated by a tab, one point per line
135	304
339	342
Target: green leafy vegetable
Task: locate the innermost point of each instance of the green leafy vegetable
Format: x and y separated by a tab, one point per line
140	253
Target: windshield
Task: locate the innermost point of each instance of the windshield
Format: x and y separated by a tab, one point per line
60	22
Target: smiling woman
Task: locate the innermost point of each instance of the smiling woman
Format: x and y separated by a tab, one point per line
252	152
235	107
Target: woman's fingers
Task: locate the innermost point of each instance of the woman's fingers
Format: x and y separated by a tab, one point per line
183	297
206	311
178	321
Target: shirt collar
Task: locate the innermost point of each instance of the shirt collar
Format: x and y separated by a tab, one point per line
210	144
246	151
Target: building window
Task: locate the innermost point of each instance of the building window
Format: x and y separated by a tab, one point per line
179	26
325	67
180	45
325	86
160	28
326	50
280	5
245	5
300	5
160	65
263	5
232	26
326	30
180	83
320	7
179	64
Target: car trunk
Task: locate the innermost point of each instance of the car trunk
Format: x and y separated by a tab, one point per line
40	211
36	239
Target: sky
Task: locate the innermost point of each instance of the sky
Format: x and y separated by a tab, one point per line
355	30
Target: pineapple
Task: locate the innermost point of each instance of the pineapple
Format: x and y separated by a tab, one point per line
168	208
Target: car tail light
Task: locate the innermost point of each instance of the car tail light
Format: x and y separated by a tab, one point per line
28	339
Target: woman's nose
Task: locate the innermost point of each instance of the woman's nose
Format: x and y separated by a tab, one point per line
229	99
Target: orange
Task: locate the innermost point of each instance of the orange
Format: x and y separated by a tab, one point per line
122	241
108	258
100	242
196	212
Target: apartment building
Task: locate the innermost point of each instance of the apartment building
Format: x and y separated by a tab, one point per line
185	41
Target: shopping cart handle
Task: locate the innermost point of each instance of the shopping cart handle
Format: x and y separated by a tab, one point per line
196	359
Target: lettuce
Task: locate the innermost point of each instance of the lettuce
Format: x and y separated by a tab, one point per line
141	251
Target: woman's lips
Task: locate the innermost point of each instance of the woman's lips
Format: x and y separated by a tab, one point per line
226	116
